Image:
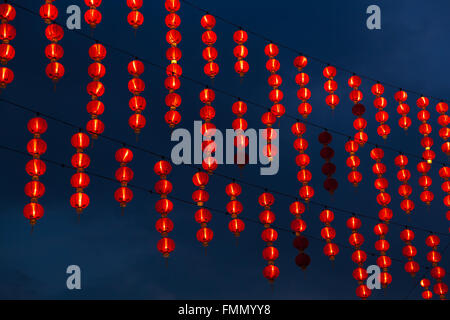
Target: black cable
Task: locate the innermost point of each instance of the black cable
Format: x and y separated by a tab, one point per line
229	178
224	92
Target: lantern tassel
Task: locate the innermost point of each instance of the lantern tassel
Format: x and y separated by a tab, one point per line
166	262
78	218
122	211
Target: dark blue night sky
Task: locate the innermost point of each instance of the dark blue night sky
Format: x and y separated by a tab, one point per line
117	254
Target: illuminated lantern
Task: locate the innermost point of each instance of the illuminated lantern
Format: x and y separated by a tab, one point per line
80	180
240	52
36	167
405	189
164	225
403	109
135	18
269	235
205	236
409	251
436	272
359	257
426	294
92	16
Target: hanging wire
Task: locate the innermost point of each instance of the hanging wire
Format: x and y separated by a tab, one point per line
224	92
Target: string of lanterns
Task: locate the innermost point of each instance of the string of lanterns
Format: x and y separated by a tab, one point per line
409	251
241	52
405	190
403	109
304	94
93	16
302	160
173	70
328	233
164	206
54	33
240	125
96	89
124	175
381	116
137	103
331	86
328	169
135	18
437	272
443	121
235	208
80	180
269	236
385	214
7	34
35	189
209	38
359	256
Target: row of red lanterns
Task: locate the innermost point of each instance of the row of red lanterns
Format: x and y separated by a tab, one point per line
96	89
443	121
269	236
137	103
303	93
381	116
209	38
164	206
359	256
93	16
80	180
173	70
328	233
409	251
444	173
235	208
328	169
331	86
124	175
35	189
54	33
436	272
135	18
7	34
385	215
405	190
241	52
302	160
